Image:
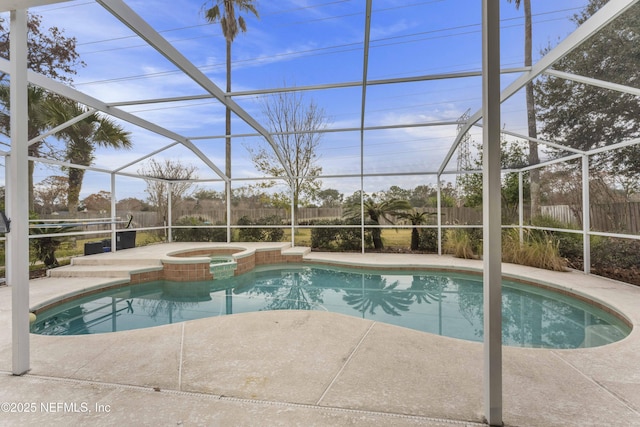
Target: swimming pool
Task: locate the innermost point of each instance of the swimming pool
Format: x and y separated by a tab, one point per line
448	304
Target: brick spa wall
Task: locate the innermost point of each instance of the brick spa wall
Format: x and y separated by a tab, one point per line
147	276
196	271
192	271
189	272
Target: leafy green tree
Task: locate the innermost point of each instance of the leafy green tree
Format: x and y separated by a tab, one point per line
354	199
329	198
513	156
448	196
50	53
377	211
40	106
231	23
421	196
395	192
82	138
585	116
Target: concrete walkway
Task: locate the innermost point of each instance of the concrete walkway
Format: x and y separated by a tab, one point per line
289	368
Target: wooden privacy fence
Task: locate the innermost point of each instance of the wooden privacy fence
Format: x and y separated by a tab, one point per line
616	217
562	213
606	217
611	217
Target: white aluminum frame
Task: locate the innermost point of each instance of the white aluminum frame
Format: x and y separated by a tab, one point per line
17	239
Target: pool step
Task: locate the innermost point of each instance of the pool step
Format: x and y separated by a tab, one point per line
114	261
101	270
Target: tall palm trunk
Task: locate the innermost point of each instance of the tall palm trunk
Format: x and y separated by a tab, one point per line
34	151
227	148
531	115
75	186
415	238
228	116
376	233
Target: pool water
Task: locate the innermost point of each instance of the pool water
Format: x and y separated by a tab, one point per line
440	303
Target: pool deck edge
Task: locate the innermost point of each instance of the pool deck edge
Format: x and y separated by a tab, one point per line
313	368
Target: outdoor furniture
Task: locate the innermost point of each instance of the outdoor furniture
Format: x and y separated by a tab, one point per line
124	240
91	248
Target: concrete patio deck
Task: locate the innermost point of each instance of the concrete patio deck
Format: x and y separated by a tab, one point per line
289	368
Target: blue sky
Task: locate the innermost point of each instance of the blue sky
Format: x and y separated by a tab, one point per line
304	42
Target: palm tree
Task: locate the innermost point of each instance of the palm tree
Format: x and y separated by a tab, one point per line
416	218
377	211
82	138
531	110
40	105
230	25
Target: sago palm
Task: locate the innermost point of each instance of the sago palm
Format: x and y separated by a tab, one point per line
416	218
377	211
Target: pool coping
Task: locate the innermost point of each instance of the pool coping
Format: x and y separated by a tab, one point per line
188	255
591	386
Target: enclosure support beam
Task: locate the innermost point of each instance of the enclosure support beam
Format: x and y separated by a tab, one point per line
586	215
113	212
227	189
127	16
7	5
521	205
365	71
491	212
293	218
439	211
18	203
62	126
68	92
594	82
169	211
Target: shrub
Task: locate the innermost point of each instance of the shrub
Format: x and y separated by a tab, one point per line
255	234
428	240
272	234
324	238
569	244
460	243
249	234
539	249
350	239
608	252
197	234
336	238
